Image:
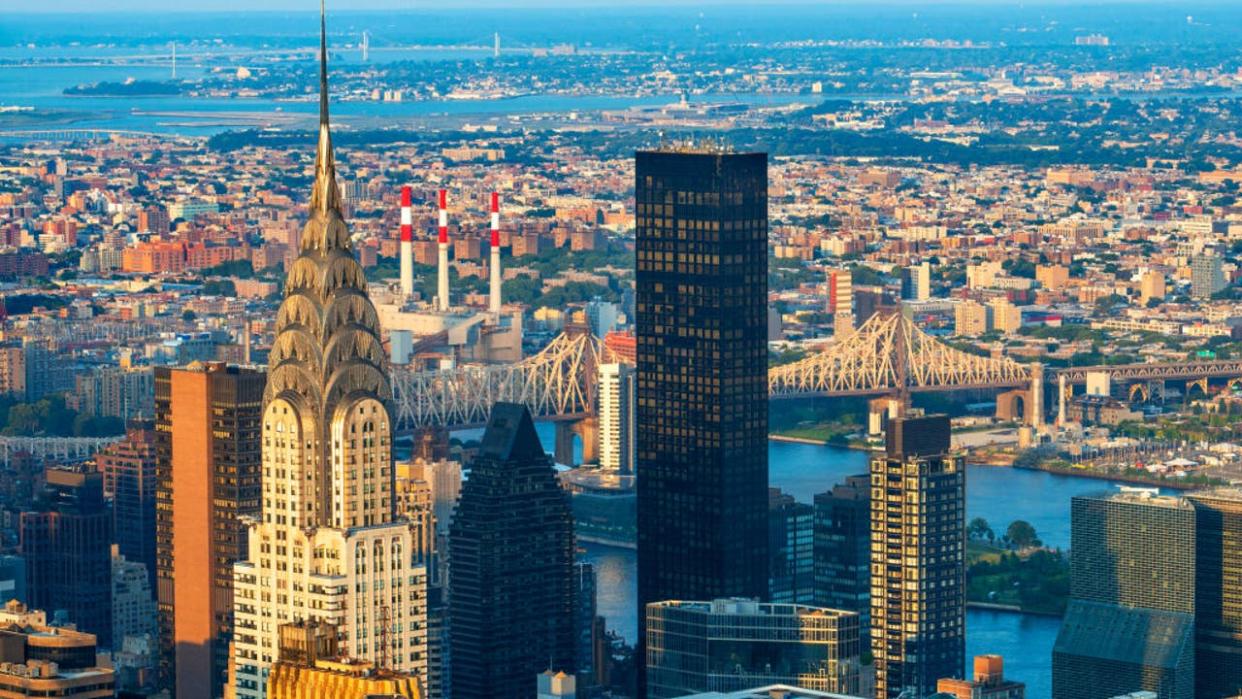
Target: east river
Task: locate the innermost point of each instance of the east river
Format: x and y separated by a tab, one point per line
999	495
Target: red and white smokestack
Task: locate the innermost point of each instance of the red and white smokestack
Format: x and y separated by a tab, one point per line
493	300
442	289
407	243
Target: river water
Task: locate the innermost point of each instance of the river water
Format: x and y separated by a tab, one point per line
1000	495
41	87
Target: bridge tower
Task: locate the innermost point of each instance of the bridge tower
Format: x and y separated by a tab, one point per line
1061	398
1036	418
588	429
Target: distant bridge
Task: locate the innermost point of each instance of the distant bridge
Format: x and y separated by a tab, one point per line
888	354
78	134
1194	373
1175	371
557	383
59	448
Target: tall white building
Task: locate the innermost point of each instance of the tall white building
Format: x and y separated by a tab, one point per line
916	282
602	316
328	545
616	418
841	301
133	604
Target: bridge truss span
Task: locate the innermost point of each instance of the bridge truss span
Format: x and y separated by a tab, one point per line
889	353
61	449
1155	371
558	382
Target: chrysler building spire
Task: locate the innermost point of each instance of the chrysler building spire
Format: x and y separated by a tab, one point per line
328	546
325	197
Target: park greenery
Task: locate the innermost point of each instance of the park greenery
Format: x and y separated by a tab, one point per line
1015	569
51	417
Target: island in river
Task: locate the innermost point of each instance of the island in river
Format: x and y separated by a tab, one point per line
128	88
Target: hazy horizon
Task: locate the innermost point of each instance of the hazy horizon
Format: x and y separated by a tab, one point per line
156	6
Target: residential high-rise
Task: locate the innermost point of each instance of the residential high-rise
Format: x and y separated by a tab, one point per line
916	282
1151	286
129	478
427	494
207	446
841	301
1218	592
328	546
512	601
427	491
1130	621
731	644
616	418
1206	275
67	543
12	369
702	415
791	534
133	602
116	391
1052	277
918	558
1006	317
971	318
47	369
842	549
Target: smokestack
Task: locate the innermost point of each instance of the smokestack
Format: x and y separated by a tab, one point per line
442	290
493	300
407	244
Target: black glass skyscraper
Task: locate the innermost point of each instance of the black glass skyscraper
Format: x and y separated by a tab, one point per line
702	414
842	549
1218	591
512	601
67	543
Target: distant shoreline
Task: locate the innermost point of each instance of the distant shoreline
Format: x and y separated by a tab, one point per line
796	440
1136	480
1012	608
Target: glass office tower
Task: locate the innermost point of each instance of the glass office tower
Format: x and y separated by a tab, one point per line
702	414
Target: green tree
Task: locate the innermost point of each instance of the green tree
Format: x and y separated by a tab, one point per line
1021	534
980	529
1106	303
24	419
523	290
